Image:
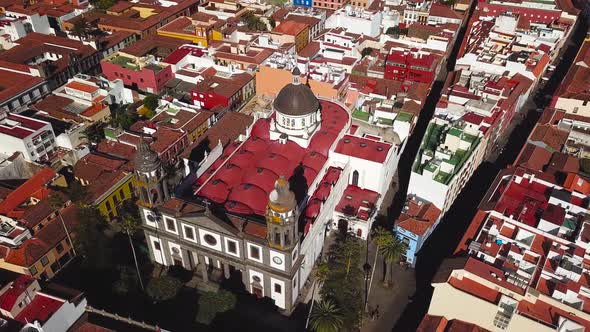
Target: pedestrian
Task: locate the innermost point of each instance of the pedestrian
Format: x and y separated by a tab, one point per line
377	312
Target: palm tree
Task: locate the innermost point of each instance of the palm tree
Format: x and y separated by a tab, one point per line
81	28
321	274
129	225
57	202
326	317
391	249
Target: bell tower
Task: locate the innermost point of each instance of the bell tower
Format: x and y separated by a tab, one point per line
282	215
150	178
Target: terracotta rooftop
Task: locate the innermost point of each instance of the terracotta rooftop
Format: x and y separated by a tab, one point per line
226	87
226	130
36	187
550	135
418	216
45	239
36	44
13	83
290	27
160	45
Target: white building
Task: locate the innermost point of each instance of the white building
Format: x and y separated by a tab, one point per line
356	20
16	25
337	180
33	138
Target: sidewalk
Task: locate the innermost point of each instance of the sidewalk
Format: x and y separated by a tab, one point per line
392	300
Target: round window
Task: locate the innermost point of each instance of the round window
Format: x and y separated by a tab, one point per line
175	251
210	239
256	278
151	218
277	260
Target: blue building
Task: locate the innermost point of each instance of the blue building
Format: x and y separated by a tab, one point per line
415	224
303	3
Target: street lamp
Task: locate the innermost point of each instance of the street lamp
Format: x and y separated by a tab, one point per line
367	269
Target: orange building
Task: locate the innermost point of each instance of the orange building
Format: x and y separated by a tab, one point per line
269	81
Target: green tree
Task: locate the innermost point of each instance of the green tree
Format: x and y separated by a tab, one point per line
212	303
344	281
81	28
77	192
129	223
94	133
151	102
326	317
127	280
366	51
396	31
123	119
104	4
253	22
90	240
391	249
163	288
321	274
272	22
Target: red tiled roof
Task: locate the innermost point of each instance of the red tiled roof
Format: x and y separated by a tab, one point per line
361	200
81	86
533	157
40	309
16	288
246	178
12	83
35	186
474	288
575	182
418	218
441	10
289	27
45	239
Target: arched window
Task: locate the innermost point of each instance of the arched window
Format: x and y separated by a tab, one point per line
355	178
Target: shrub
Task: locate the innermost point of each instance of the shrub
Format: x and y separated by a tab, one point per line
211	303
163	288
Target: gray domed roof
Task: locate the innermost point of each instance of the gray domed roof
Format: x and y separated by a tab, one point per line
296	99
146	160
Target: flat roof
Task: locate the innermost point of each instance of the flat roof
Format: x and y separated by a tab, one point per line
363	148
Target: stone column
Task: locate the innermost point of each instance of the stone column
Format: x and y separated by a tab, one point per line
226	270
203	267
165	188
160	195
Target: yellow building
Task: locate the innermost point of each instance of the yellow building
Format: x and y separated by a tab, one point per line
199	29
108	182
49	250
110	202
292	32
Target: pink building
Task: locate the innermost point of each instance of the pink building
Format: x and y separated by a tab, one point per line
142	73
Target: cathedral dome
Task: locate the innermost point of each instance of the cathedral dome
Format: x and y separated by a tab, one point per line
296	99
146	160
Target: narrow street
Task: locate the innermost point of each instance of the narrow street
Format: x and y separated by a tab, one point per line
445	238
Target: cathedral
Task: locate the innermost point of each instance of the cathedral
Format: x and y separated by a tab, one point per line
264	207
